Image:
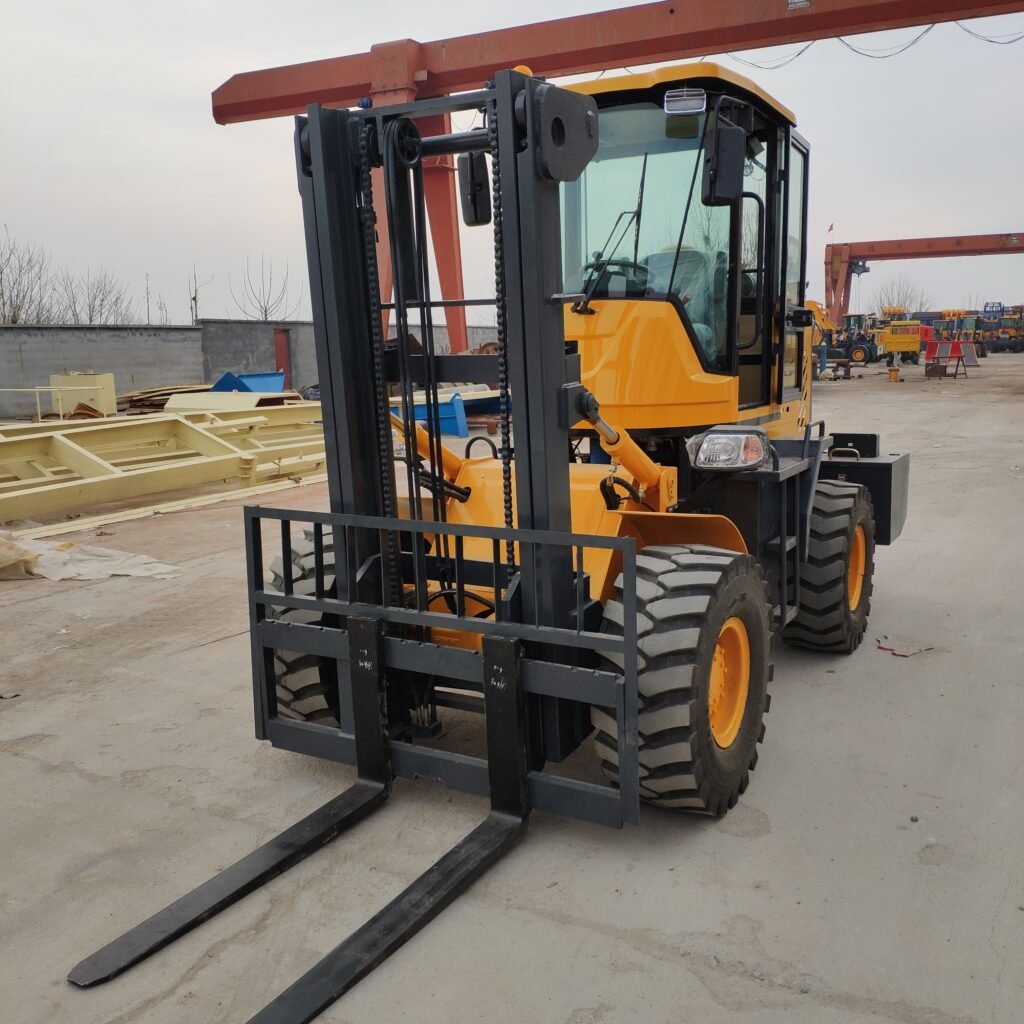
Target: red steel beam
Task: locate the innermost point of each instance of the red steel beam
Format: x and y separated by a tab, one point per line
648	33
671	30
922	248
840	257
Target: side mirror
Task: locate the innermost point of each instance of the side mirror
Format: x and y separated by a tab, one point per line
724	164
474	189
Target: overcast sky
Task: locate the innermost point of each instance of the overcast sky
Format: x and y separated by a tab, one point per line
110	156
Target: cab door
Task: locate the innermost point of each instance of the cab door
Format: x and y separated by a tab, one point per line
759	254
790	379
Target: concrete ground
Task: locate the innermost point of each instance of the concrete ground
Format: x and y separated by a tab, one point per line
873	871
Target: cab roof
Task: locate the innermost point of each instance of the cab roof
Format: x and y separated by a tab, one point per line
682	73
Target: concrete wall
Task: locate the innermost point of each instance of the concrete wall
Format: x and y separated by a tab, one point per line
138	357
146	356
247	346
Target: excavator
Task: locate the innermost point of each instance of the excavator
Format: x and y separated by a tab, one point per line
610	576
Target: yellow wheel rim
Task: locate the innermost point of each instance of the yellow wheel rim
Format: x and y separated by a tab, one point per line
730	682
858	565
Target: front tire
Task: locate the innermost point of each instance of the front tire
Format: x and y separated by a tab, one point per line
837	578
704	663
306	685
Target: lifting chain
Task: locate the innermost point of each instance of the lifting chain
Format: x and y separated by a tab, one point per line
499	305
384	442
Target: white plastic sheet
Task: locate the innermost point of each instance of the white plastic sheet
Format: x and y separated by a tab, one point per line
22	559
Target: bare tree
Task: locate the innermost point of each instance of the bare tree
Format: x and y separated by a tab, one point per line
26	283
902	292
161	308
750	257
708	229
194	288
261	298
94	298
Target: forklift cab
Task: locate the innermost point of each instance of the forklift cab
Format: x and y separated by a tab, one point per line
684	247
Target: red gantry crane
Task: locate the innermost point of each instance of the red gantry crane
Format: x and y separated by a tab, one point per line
845	259
399	71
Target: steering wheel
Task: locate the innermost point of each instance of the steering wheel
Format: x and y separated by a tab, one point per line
639	268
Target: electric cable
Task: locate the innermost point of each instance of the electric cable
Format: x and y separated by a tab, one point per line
775	65
998	40
879	54
876	53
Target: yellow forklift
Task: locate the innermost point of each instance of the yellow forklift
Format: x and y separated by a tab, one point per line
660	507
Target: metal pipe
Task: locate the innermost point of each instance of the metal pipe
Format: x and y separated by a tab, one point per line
606	430
618	444
450	462
621	447
457	142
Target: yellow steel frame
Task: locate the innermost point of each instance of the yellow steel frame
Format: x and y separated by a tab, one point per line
47	469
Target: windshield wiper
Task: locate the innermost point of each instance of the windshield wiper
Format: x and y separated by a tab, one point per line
600	261
639	210
686	211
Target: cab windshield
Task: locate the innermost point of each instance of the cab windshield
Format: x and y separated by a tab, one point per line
634	225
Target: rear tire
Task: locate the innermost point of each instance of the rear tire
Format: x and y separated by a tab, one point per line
834	606
859	354
700	720
306	684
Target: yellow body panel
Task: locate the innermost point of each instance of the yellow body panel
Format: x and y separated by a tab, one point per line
648	528
637	360
589	516
900	336
681	73
821	318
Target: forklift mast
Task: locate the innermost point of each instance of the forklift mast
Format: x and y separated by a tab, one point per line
537	136
367	610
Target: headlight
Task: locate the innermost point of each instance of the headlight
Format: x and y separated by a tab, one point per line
733	449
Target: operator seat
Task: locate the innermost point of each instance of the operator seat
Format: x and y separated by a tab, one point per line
691	288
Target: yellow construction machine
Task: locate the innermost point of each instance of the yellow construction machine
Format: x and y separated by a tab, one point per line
660	505
899	338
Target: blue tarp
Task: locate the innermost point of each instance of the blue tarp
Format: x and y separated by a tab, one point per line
450	413
255	382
